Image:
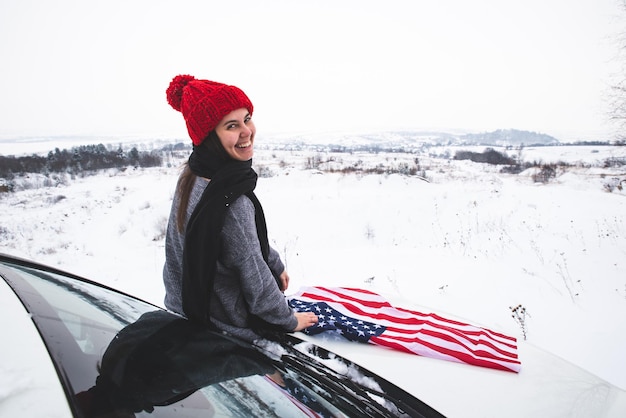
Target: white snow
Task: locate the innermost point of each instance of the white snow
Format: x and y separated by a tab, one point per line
470	241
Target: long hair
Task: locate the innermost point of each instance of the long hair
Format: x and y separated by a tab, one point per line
187	178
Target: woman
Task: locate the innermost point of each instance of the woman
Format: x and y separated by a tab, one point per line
219	268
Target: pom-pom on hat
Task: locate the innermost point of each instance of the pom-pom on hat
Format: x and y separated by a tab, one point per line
204	103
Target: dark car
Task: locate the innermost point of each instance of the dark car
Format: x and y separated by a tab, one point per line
76	348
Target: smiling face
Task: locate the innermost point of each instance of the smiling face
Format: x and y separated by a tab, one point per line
236	133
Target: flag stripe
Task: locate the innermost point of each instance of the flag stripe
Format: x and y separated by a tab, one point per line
400	315
426	349
371	299
487	349
403	324
407	330
451	347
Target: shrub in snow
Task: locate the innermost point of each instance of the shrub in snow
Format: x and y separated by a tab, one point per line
614	183
546	173
519	315
489	156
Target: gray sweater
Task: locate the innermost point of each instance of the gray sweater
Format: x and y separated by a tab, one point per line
244	283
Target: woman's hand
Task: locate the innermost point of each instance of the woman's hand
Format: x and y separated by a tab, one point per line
284	281
305	320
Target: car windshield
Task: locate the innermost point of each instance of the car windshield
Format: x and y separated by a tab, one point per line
119	356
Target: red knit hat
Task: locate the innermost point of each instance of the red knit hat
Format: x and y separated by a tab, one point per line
204	103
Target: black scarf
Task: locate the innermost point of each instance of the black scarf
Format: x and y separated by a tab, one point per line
230	179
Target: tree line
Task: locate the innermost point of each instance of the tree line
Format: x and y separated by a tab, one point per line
77	160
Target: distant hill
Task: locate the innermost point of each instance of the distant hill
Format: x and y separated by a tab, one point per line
504	137
407	140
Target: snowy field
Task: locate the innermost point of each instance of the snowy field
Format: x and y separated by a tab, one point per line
459	238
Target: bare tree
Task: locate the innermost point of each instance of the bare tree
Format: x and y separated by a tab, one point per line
618	90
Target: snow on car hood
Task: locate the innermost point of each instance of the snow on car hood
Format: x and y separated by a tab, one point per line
547	385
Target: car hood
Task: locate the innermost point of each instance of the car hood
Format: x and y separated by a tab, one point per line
546	386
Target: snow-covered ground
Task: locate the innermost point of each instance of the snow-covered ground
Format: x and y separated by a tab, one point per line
460	238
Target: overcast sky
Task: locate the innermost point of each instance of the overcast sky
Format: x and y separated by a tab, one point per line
101	67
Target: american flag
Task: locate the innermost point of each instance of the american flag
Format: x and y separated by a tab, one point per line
361	315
